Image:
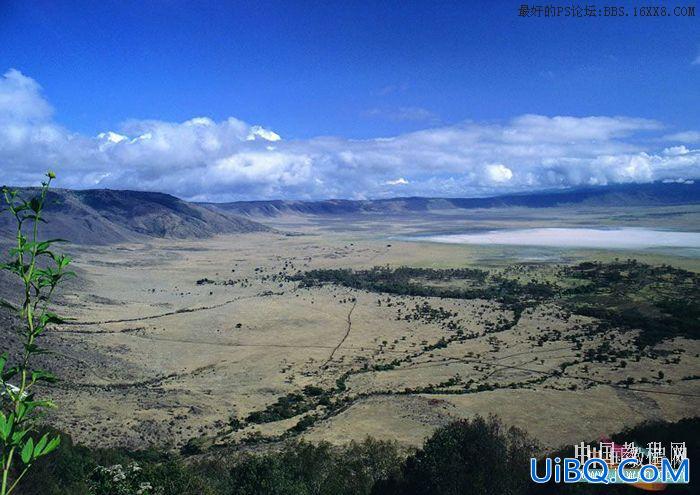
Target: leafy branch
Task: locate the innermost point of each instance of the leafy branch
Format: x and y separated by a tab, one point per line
40	271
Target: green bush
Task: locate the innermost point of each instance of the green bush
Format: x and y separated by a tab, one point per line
474	457
477	457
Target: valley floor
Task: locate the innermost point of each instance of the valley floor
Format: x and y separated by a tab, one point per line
210	340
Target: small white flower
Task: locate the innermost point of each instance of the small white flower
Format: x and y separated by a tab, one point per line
143	488
8	387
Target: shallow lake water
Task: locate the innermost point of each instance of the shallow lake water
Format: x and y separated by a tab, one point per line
621	238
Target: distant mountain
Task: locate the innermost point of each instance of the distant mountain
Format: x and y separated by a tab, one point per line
103	216
653	194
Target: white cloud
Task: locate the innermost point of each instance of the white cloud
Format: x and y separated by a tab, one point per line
259	132
684	137
207	160
111	137
397	182
680	180
498	173
21	100
200	121
676	150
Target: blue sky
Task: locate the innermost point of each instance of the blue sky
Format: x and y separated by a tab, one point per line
466	74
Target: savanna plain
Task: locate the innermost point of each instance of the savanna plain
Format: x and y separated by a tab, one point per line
341	328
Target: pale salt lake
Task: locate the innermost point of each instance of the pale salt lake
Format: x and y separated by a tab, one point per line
620	238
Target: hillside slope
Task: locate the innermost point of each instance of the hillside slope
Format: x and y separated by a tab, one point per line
102	216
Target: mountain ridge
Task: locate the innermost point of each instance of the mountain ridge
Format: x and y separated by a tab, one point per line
106	216
651	194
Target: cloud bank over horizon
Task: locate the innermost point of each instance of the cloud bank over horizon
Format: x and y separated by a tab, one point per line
201	159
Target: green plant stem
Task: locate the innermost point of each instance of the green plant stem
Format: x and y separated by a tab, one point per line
28	302
6	471
14	485
28	314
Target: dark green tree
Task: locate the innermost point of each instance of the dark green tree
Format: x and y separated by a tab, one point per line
477	457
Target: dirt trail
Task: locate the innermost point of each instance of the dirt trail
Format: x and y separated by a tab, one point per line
342	341
160	315
349	317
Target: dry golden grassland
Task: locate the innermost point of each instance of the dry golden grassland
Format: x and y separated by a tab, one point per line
154	358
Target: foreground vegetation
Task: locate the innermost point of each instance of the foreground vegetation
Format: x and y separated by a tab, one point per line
477	457
38	271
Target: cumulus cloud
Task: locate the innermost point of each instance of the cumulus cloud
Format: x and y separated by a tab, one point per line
111	137
498	173
21	100
259	132
203	159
